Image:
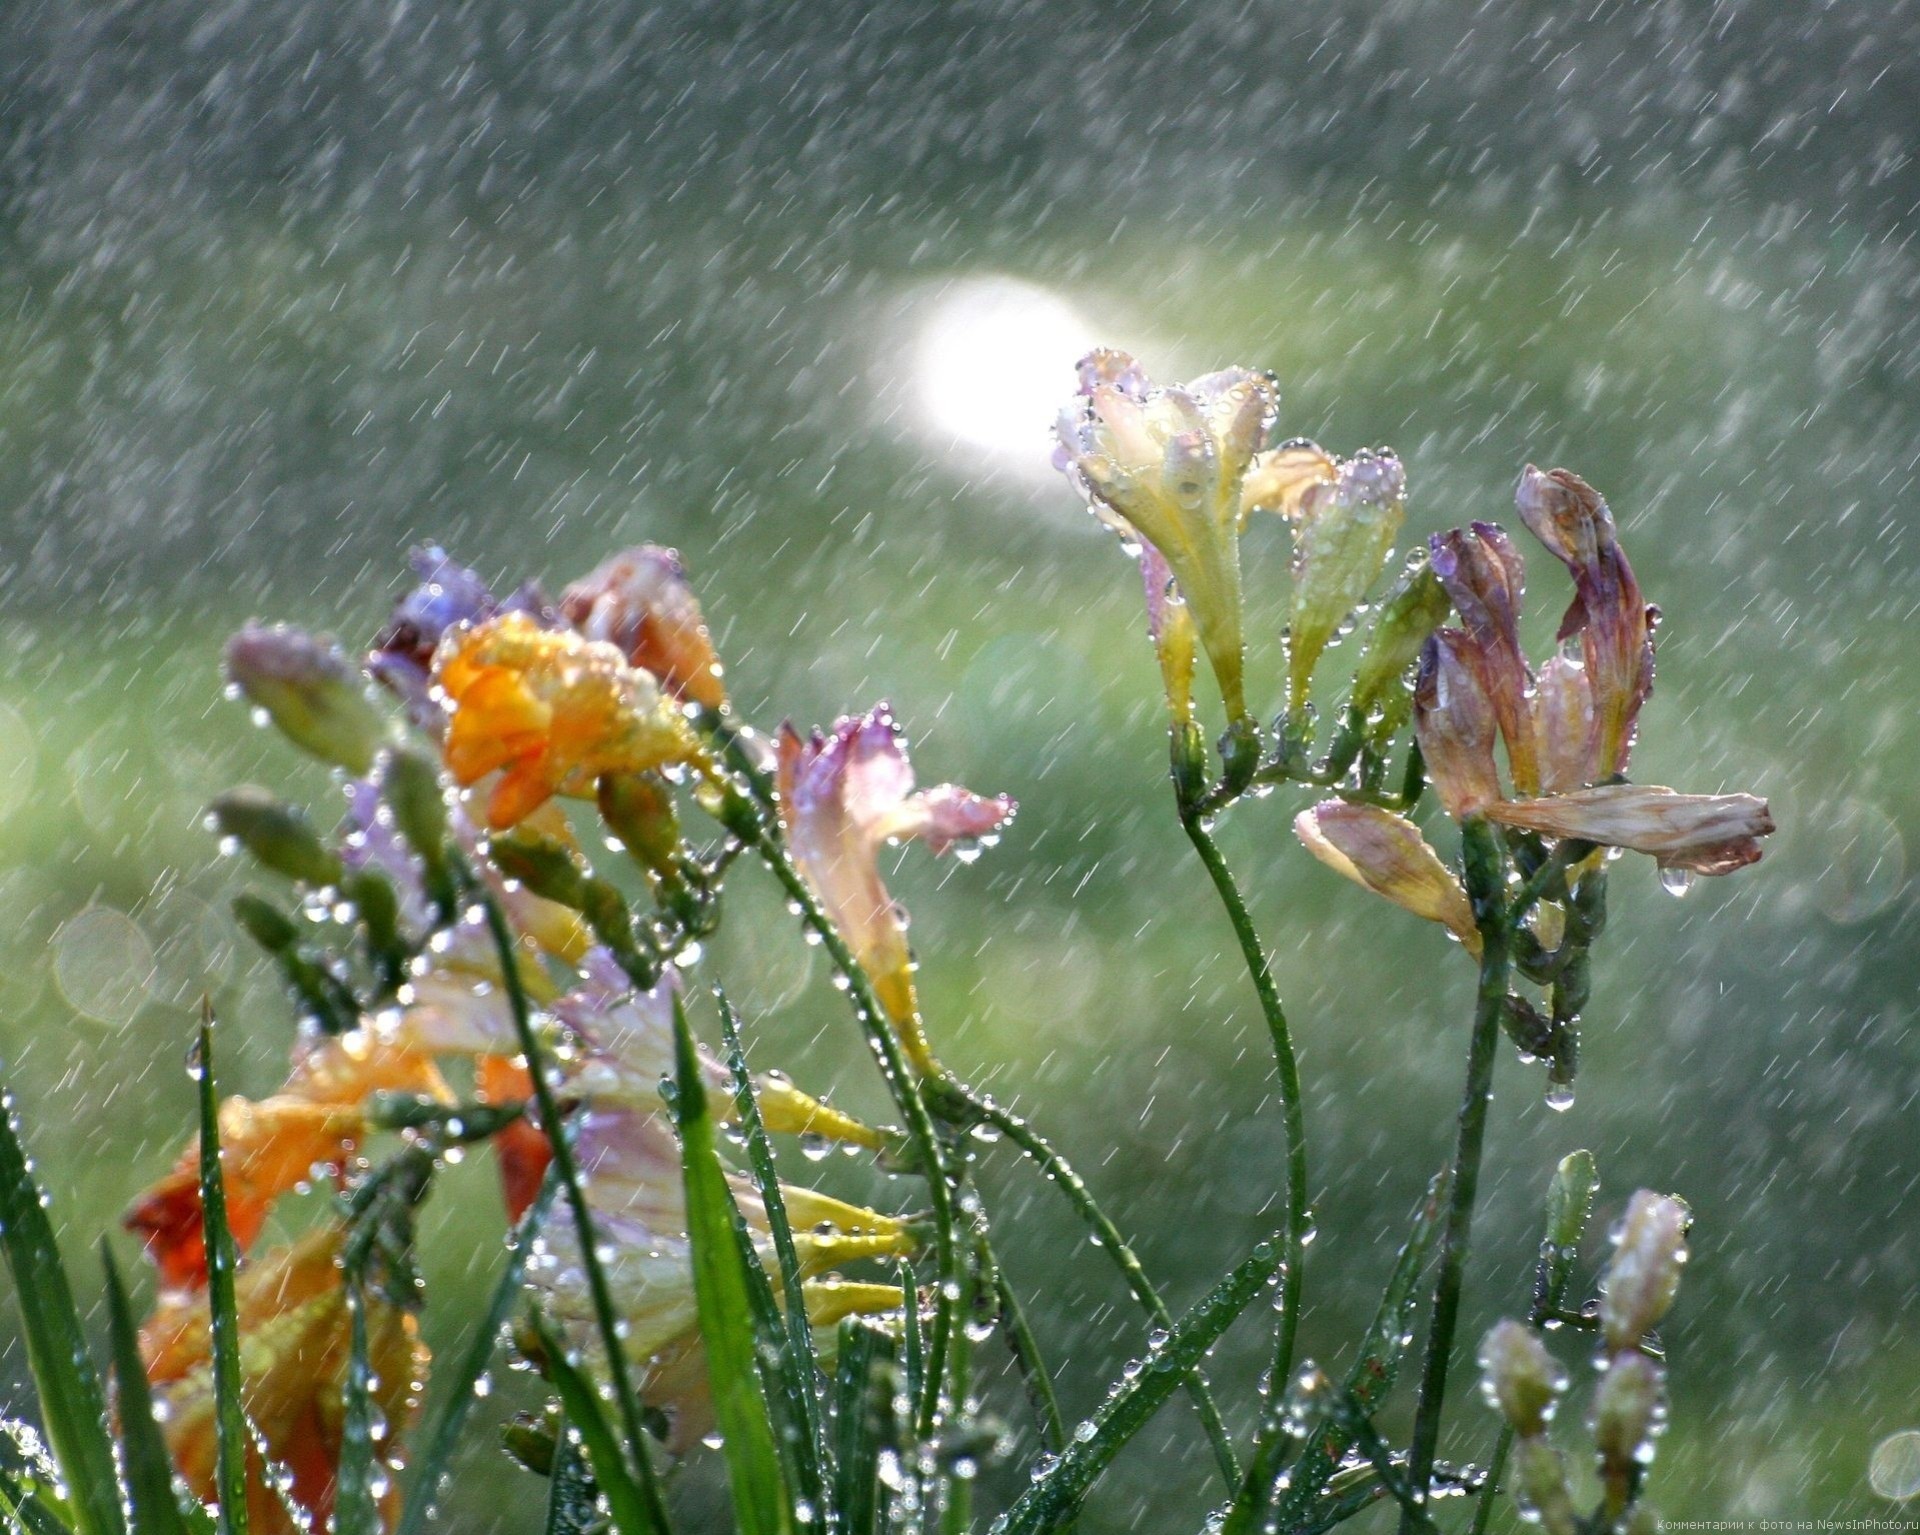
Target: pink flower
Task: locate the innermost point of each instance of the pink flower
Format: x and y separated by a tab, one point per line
842	797
640	602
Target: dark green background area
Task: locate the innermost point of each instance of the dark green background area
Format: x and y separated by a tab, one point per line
287	287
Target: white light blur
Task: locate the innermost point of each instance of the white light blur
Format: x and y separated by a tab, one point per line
993	362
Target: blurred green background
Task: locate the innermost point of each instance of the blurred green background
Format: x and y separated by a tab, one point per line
285	288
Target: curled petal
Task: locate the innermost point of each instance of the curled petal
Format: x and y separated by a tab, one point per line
1454	723
1612	619
1341	536
1486	578
640	602
1701	833
1386	853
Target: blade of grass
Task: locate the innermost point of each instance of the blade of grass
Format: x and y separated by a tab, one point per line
22	1509
862	1411
1366	1386
572	1498
721	1286
155	1508
605	1317
72	1406
626	1499
1055	1495
230	1415
424	1495
799	1374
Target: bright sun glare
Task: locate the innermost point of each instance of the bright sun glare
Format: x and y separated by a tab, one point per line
993	364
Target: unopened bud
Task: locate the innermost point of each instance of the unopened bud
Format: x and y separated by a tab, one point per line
410	784
1416	606
1628	1411
1540	1486
1520	1378
1239	755
310	690
541	865
638	809
1645	1273
1570	1199
1341	535
277	834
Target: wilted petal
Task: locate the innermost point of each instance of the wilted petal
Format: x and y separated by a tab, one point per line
1613	620
1486	578
1340	540
640	603
552	711
310	690
1166	466
842	796
1386	853
1454	723
1702	833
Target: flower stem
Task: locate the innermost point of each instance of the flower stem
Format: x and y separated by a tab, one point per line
1107	1236
1292	1115
1485	871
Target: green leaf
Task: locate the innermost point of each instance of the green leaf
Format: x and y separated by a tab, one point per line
1055	1495
72	1407
156	1510
424	1495
799	1378
863	1424
356	1507
230	1414
1367	1384
723	1289
572	1495
626	1501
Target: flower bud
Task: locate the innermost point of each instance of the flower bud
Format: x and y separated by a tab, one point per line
1628	1411
1540	1486
410	784
545	867
310	691
1340	540
277	834
640	601
1645	1273
1416	606
1486	578
1570	1199
1386	853
1454	722
638	809
1520	1378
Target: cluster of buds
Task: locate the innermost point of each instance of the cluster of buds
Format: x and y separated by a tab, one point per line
1524	1382
455	800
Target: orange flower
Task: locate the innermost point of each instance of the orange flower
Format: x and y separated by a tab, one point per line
640	602
295	1338
552	712
269	1148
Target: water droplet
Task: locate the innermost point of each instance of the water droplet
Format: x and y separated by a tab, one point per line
1676	882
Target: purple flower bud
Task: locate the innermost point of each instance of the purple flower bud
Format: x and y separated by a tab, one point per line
310	691
1454	722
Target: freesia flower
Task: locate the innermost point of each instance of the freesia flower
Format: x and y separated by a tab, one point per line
1569	727
1386	854
1167	467
551	711
269	1148
295	1340
1644	1276
1343	526
842	797
640	602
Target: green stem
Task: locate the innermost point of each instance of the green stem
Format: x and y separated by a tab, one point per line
1485	870
569	1171
1292	1115
1060	1172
